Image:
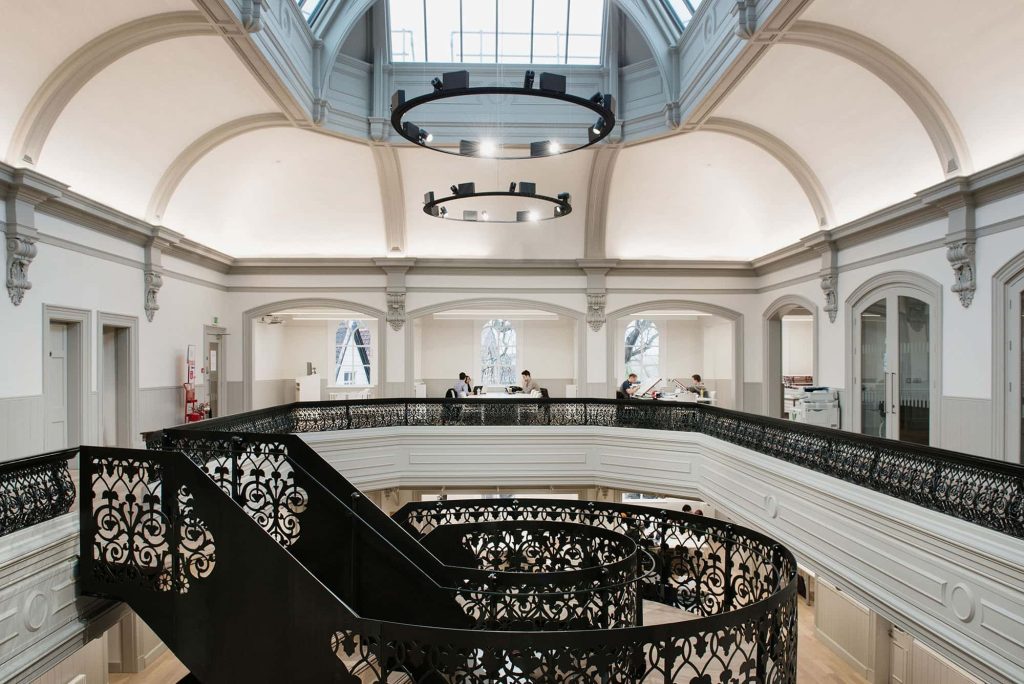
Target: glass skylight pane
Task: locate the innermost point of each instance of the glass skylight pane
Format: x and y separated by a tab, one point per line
586	21
407	40
550	20
684	10
478	31
514	20
443	26
503	31
309	7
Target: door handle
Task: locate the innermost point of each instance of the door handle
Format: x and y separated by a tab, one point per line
892	393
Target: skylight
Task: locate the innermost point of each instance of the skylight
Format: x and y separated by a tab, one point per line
497	31
309	8
684	10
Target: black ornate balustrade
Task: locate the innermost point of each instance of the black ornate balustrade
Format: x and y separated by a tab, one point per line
35	489
981	491
175	536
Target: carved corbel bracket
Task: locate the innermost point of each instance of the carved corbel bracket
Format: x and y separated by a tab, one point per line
252	15
395	315
673	116
596	310
320	110
961	257
21	250
154	281
829	282
746	19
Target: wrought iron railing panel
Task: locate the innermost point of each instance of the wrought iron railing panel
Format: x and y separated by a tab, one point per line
35	489
978	490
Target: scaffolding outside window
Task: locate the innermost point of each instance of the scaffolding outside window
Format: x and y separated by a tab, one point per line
498	353
497	31
642	349
353	354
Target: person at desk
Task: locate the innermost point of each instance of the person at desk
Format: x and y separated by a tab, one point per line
529	384
697	387
469	384
628	387
461	387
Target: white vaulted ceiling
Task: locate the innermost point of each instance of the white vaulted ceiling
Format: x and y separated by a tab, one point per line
703	196
283	192
180	132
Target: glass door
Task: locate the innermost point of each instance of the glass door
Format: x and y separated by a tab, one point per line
874	371
894	368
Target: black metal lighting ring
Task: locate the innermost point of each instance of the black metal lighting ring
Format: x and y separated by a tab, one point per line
604	113
565	204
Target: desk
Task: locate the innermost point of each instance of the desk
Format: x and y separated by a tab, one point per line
518	395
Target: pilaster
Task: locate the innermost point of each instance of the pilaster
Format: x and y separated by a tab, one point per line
822	244
25	192
957	201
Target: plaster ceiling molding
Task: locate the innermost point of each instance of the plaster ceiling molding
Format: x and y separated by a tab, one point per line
191	155
38	36
786	156
864	144
427	236
122	130
389	173
601	172
983	86
283	192
76	71
703	196
927	105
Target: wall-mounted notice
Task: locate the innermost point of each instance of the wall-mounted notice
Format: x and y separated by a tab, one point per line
190	363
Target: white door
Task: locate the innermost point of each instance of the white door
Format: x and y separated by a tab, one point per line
894	368
55	379
1014	418
900	662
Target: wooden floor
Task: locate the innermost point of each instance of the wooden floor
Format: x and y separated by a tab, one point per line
816	662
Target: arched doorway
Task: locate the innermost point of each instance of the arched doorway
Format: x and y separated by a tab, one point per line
790	344
1008	361
443	339
721	337
894	359
329	313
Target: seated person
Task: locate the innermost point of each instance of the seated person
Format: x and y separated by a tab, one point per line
529	384
697	387
461	387
628	387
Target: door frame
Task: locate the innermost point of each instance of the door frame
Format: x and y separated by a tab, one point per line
216	333
131	382
78	412
1006	330
772	346
906	283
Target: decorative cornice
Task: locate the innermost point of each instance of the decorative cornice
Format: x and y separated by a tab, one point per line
23	192
252	15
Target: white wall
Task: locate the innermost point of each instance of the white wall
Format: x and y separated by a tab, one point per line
797	346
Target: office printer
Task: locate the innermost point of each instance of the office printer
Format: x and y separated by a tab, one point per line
817	406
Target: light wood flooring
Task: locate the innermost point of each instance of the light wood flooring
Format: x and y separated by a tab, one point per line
816	662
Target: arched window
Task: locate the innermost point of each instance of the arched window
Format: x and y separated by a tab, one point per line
642	352
353	354
498	353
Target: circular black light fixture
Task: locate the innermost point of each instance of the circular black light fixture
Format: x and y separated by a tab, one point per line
455	84
465	194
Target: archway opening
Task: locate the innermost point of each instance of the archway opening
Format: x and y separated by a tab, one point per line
313	353
790	356
492	344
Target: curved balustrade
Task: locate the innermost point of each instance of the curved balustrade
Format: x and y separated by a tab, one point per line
979	490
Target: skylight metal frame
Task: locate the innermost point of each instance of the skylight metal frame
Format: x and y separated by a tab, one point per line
497	34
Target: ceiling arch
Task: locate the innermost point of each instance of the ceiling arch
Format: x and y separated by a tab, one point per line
786	156
283	192
907	82
188	158
704	195
67	80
